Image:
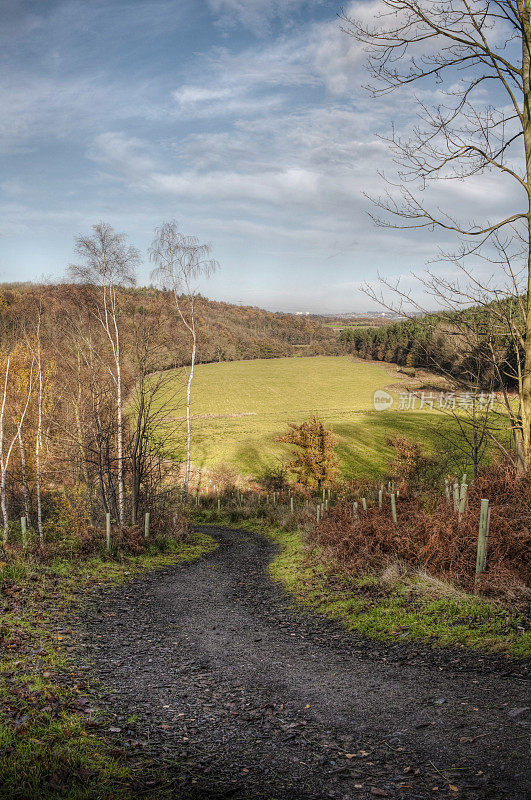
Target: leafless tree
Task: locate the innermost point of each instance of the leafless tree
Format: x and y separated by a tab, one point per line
37	356
12	416
180	260
468	50
108	262
152	415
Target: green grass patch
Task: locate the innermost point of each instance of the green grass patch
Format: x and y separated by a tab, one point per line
240	407
403	608
49	747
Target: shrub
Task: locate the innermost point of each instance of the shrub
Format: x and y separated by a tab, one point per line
428	535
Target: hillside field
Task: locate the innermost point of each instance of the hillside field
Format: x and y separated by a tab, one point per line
240	407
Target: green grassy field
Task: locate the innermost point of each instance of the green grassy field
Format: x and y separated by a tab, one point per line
241	406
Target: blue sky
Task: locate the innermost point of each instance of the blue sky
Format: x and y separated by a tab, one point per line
245	120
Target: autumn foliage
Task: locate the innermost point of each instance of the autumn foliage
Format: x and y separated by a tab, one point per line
428	535
313	459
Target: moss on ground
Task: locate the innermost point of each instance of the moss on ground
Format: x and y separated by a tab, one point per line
402	608
51	745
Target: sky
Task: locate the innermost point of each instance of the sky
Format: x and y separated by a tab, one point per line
244	120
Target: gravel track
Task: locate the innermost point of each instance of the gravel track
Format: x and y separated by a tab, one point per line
213	677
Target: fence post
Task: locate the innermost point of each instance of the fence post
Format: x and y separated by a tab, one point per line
23	530
462	501
456	497
484	519
393	507
108	530
146	524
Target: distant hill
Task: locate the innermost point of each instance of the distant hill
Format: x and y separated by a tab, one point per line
226	332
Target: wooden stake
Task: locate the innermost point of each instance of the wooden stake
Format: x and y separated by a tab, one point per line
108	530
462	501
380	498
484	519
456	497
146	524
393	507
355	509
364	503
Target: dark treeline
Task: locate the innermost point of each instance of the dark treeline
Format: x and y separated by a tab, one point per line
472	346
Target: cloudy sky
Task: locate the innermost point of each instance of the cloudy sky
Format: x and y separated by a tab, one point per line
245	120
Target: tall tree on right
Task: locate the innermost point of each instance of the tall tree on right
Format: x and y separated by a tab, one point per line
477	54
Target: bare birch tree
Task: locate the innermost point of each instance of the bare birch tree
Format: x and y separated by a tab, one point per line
180	260
478	54
108	262
38	433
15	414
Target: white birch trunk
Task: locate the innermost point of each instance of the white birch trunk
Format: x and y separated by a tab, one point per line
188	412
120	445
38	446
25	487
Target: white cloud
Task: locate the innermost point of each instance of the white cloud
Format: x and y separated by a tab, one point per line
196	102
125	155
255	14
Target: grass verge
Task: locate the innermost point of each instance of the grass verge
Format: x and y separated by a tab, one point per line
51	744
394	605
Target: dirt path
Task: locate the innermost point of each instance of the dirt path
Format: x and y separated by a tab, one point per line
211	675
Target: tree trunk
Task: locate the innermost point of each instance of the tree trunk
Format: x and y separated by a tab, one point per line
3	501
80	437
38	450
25	487
188	414
524	435
120	442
